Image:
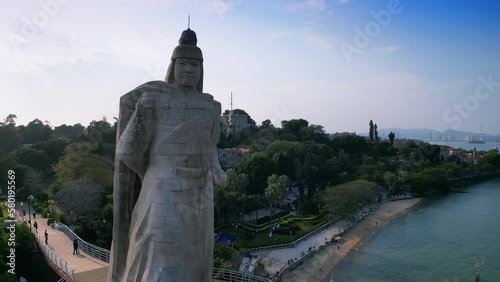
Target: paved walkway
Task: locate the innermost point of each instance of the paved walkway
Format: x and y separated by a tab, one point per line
62	245
276	259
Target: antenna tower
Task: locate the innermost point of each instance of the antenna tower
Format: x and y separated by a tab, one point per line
231	101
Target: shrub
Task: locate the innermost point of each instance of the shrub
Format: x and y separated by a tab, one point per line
64	219
287	230
264	219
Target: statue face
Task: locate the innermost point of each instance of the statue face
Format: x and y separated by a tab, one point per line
187	72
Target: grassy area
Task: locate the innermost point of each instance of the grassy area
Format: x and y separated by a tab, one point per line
261	238
5	211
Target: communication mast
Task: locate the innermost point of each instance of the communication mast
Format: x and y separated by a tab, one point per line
231	101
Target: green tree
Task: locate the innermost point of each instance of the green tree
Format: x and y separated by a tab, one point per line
391	181
492	158
391	137
83	197
10	138
79	160
10	120
375	133
371	130
34	183
344	200
350	144
294	126
35	131
101	132
54	148
73	132
266	124
98	168
286	155
430	179
36	159
272	193
69	166
314	133
236	182
257	166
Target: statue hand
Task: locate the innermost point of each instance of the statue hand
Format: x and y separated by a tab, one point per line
219	177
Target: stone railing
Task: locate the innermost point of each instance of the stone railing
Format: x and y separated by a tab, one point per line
93	250
56	261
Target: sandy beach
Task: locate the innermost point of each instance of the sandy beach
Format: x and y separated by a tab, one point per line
319	267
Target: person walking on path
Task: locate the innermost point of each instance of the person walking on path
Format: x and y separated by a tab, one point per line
35	224
75	247
34	215
46	237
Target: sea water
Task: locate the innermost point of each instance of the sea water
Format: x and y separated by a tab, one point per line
439	240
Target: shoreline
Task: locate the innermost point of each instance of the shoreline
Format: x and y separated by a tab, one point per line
323	264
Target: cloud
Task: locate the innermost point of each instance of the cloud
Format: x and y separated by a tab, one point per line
385	83
319	5
343	1
76	43
388	49
308	5
316	41
50	49
221	7
278	34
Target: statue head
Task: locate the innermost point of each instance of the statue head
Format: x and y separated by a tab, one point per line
186	66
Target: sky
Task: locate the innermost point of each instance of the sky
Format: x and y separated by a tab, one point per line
340	63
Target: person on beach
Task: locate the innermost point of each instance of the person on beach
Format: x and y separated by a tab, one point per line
46	237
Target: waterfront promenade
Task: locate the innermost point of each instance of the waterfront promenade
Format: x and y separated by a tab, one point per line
276	260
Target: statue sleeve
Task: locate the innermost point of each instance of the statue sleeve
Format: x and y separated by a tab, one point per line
135	140
218	174
136	112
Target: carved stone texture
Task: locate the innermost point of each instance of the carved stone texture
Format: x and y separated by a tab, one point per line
166	167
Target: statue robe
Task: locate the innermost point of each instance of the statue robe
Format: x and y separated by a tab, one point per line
163	224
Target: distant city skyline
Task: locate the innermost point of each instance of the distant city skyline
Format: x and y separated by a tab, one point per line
405	64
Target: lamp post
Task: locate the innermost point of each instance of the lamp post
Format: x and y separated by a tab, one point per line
51	202
22	213
30	197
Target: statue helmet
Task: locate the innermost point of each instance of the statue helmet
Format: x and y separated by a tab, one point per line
186	49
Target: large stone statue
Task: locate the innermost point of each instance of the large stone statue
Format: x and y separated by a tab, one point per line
166	167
